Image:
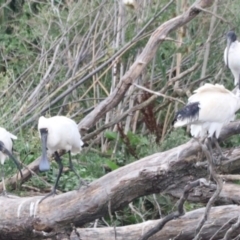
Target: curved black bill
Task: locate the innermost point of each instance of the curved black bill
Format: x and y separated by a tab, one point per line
229	42
5	151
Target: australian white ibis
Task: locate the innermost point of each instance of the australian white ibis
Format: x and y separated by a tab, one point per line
232	55
6	152
208	110
58	133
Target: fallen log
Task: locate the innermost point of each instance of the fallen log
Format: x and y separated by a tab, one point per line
153	174
183	228
229	194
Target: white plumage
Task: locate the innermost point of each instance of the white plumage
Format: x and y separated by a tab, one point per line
130	3
232	55
58	133
63	134
6	138
6	151
208	110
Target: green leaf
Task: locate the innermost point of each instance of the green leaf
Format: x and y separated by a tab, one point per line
110	135
111	165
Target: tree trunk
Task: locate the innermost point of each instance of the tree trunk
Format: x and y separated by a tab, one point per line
220	220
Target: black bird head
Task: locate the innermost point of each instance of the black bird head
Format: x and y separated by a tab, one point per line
231	37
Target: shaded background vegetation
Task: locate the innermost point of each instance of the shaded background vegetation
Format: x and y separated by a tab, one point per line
64	57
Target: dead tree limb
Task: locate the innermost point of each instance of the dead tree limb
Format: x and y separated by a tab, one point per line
229	194
180	210
183	228
153	174
158	36
216	194
231	230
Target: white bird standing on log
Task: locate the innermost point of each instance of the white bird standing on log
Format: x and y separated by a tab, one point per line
58	133
6	152
208	110
232	55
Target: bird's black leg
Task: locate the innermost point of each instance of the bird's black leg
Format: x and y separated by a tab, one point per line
53	192
209	143
215	141
82	182
71	164
201	143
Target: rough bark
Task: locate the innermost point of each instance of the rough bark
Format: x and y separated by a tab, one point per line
183	228
141	62
228	195
153	174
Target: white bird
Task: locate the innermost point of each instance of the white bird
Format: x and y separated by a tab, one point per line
207	111
131	3
6	152
58	133
232	56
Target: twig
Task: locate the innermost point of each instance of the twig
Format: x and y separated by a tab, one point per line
214	196
214	14
224	225
158	94
135	211
158	206
173	215
231	230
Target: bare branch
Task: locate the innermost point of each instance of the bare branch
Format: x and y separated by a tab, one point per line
173	215
141	62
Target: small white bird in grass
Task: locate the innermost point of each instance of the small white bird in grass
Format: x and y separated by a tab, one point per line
232	55
6	152
208	110
58	133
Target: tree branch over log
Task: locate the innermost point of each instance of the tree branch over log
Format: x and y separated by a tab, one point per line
153	174
183	228
176	214
158	36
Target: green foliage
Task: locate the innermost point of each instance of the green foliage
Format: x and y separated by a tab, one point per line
110	135
111	165
175	138
136	140
189	206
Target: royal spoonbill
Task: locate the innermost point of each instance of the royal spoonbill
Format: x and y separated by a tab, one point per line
207	111
232	56
58	133
6	152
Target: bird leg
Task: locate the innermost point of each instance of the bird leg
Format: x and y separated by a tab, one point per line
53	191
82	182
209	142
200	142
215	141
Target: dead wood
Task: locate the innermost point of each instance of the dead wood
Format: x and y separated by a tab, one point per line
27	173
229	194
220	220
153	174
158	36
180	209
